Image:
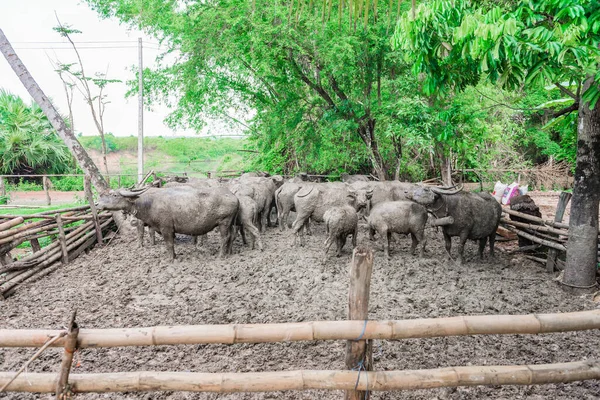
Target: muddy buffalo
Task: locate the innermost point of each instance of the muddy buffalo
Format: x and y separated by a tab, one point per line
187	210
471	216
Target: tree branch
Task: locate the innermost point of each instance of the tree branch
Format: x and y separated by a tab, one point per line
567	110
317	88
336	88
269	87
566	91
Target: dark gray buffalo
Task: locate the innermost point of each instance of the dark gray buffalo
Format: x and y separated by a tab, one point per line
471	216
183	209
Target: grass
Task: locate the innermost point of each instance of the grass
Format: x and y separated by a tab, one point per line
44	241
29	211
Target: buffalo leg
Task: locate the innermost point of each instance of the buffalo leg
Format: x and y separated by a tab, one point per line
301	219
461	248
195	240
482	243
371	234
270	207
226	232
328	243
492	239
243	233
355	236
152	234
140	231
307	227
169	237
341	241
448	241
418	237
385	239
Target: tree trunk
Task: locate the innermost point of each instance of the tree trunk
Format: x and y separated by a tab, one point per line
446	170
582	258
366	131
83	159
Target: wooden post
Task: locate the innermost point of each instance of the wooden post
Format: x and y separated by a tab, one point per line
46	184
2	187
90	199
209	174
63	389
35	245
62	239
359	353
563	200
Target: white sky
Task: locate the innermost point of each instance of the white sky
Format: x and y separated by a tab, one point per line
28	25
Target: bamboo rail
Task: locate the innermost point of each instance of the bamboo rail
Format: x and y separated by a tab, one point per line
536	219
540	228
310	380
315	330
536	239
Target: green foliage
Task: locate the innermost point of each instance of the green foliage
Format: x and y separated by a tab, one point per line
67	183
28	143
24	186
530	42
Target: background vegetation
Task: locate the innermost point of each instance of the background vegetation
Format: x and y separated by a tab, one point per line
327	92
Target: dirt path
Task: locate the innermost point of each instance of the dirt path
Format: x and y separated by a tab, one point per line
124	286
38	198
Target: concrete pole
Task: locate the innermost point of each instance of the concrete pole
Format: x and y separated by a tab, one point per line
140	115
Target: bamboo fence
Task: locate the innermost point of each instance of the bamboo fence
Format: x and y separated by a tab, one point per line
71	231
553	235
312	330
310	380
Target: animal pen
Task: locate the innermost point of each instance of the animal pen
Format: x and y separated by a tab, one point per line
70	231
358	381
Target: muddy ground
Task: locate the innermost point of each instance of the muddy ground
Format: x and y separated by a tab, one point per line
124	286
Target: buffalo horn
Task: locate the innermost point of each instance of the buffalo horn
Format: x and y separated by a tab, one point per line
132	192
440	190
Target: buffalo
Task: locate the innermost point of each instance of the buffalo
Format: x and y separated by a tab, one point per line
185	209
473	216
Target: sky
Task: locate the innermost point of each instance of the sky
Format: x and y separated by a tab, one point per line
104	45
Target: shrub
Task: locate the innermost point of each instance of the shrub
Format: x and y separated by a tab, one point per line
68	183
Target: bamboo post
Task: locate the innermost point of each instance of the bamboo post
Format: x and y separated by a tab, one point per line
2	187
63	389
46	184
90	199
359	352
563	200
62	239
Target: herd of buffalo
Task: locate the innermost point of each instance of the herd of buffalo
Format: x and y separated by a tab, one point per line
197	206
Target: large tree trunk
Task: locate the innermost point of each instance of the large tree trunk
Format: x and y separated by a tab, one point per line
582	258
83	159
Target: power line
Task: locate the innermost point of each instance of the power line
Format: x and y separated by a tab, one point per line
82	41
84	48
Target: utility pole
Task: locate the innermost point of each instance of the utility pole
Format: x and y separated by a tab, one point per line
140	115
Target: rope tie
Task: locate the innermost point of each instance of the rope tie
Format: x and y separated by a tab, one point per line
363	331
361	367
